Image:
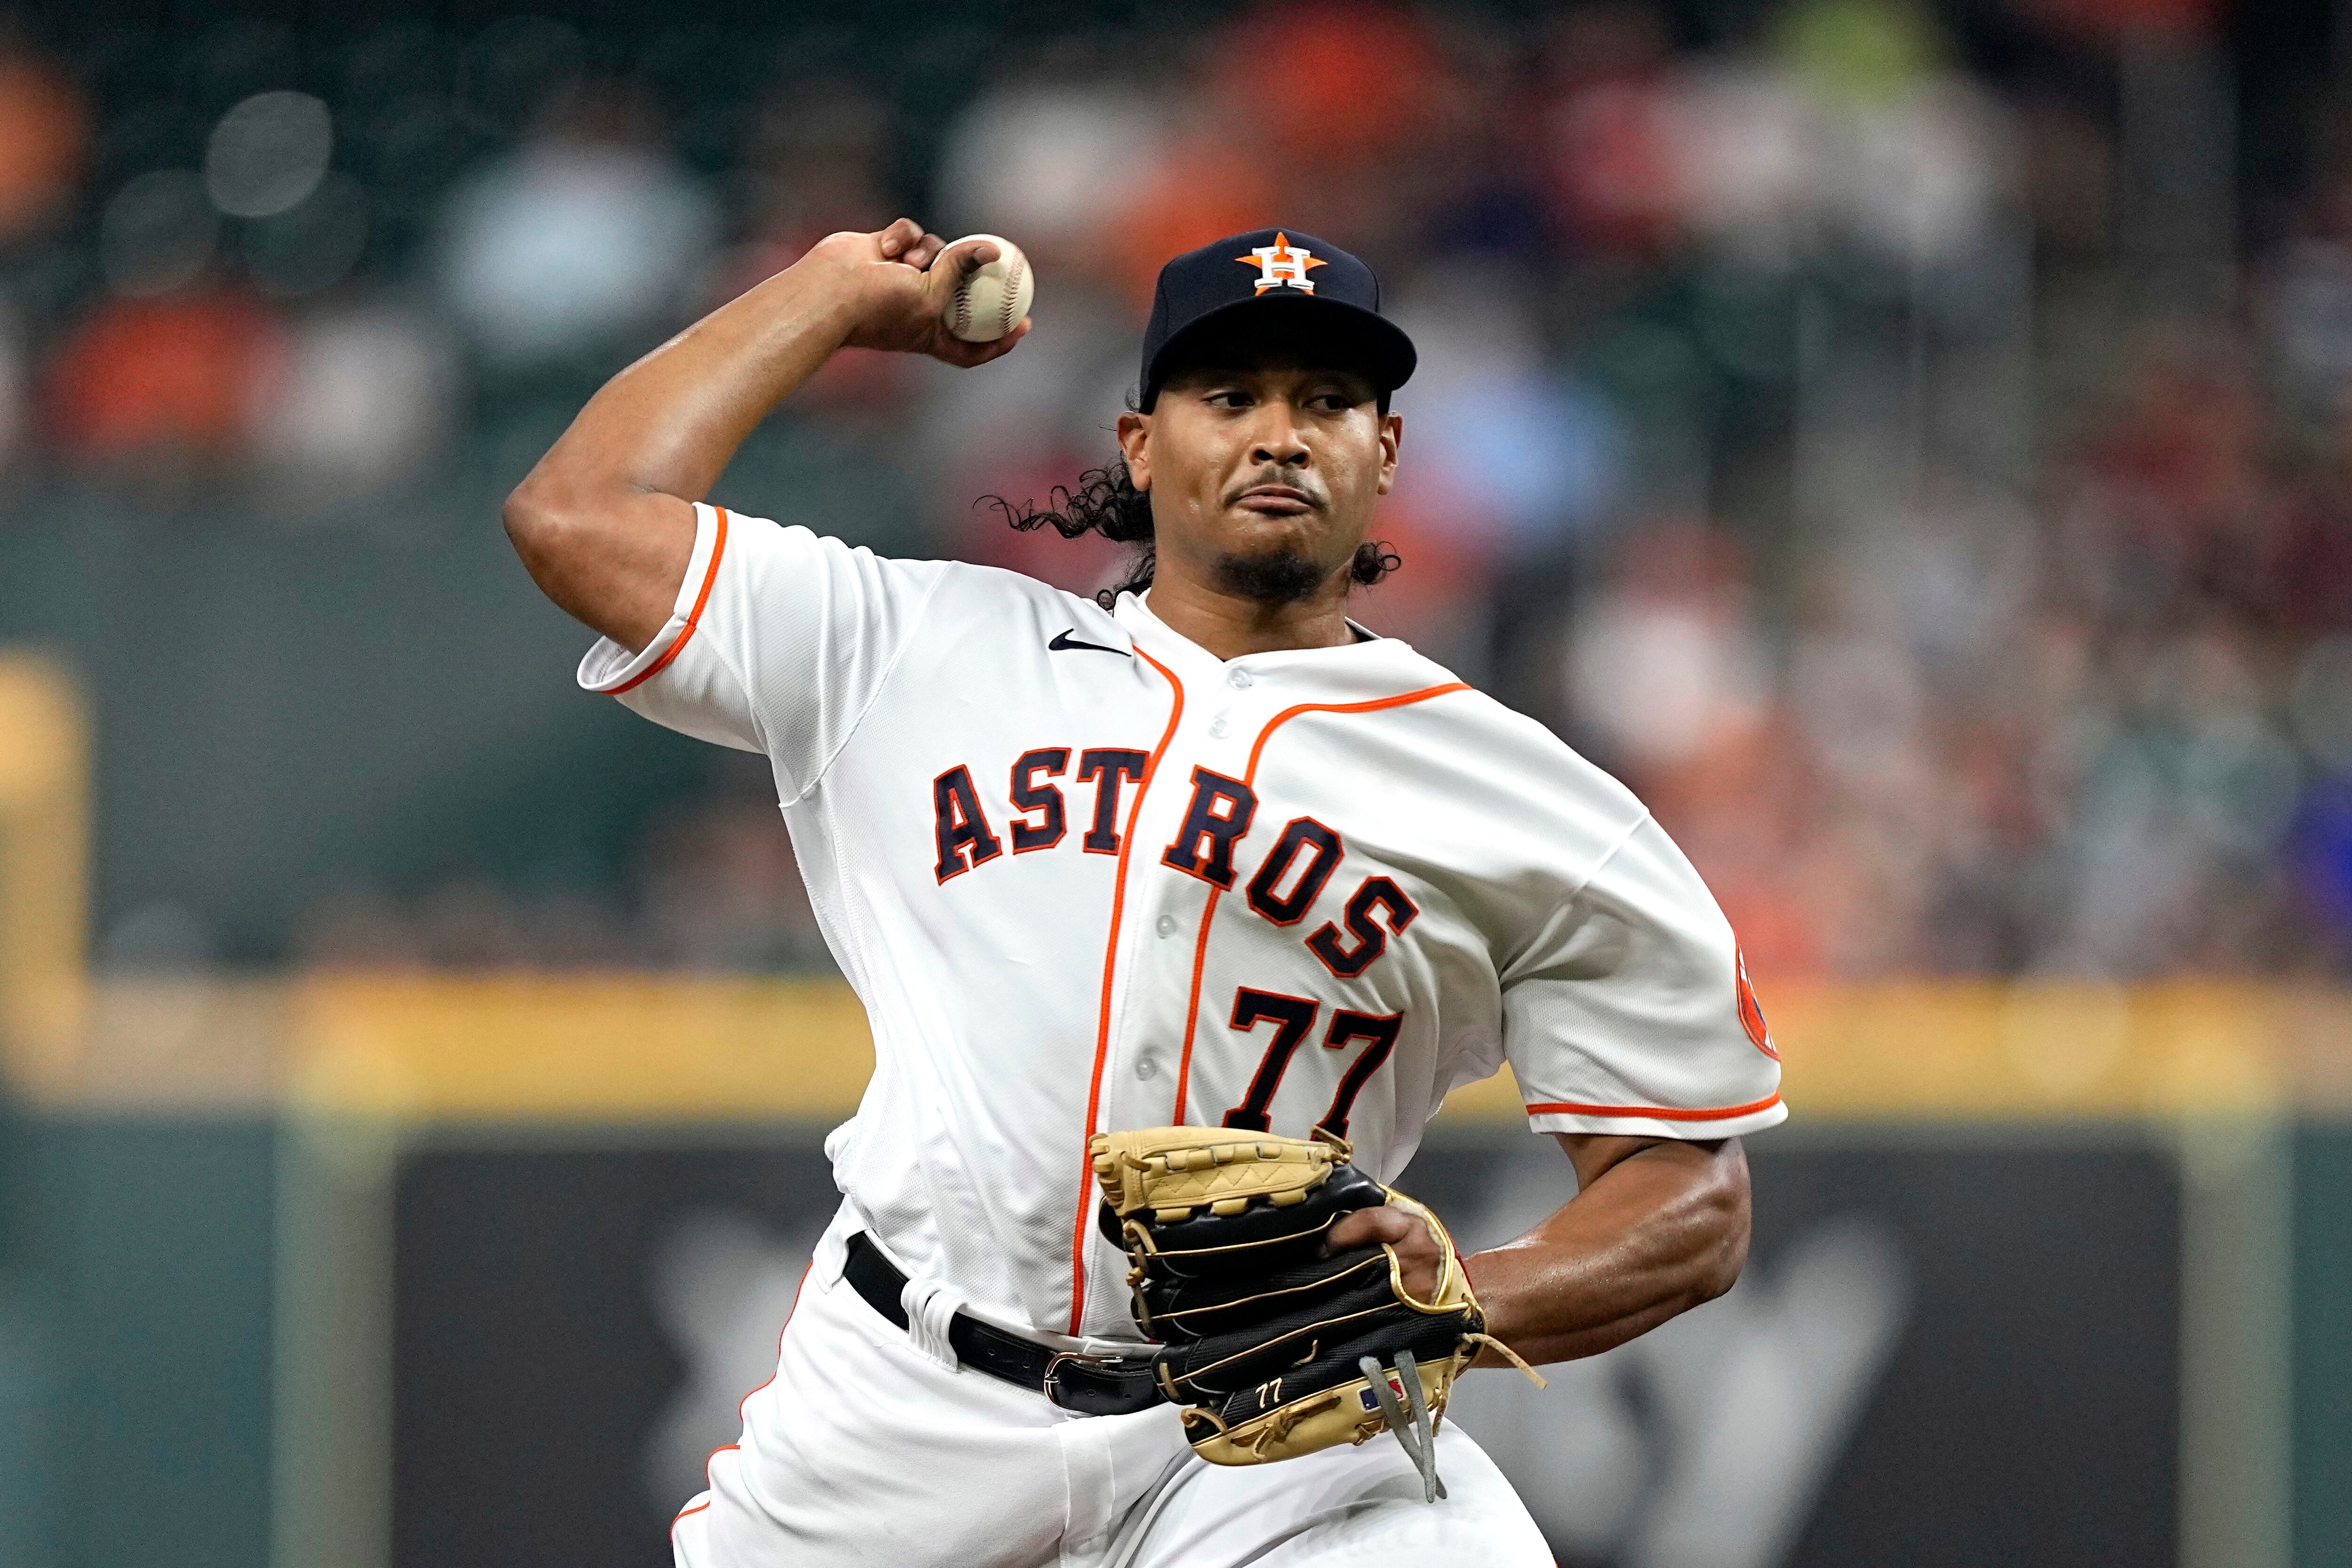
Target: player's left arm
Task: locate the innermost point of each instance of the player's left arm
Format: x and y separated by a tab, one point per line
1627	1017
1657	1226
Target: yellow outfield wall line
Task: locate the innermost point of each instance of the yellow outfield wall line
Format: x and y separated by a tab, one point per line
587	1048
647	1048
679	1047
653	1047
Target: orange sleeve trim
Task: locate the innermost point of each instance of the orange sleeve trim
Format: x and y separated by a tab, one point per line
694	616
1110	972
1654	1112
1209	913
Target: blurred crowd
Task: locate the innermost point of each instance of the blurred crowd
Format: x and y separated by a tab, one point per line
1900	458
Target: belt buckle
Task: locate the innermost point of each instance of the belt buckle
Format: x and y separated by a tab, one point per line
1084	1400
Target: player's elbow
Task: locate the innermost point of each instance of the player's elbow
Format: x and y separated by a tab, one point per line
540	523
1724	1224
1718	1269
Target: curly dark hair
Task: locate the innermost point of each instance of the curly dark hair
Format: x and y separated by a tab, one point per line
1105	502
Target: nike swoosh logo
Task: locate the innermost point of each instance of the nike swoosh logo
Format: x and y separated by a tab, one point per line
1063	642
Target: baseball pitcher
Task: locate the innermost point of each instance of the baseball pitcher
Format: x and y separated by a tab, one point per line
1176	917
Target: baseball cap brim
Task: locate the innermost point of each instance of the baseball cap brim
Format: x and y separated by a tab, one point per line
1330	332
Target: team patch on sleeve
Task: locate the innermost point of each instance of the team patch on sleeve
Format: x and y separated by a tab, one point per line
1751	1015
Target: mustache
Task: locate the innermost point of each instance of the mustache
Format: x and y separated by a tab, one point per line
1290	478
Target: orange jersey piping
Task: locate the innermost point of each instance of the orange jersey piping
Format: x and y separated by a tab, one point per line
1249	777
1110	972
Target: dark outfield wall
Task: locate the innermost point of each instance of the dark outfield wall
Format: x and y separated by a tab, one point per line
2323	1348
1935	1358
1990	1336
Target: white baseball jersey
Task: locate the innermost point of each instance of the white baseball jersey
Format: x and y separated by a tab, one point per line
1086	875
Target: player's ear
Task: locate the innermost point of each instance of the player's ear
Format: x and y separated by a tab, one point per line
1392	438
1135	447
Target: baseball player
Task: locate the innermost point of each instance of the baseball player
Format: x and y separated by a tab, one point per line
1180	910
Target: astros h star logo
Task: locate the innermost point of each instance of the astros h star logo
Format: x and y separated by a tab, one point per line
1282	265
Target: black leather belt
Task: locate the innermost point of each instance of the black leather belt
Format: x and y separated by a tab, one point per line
1091	1385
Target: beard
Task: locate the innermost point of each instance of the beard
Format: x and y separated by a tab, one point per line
1280	577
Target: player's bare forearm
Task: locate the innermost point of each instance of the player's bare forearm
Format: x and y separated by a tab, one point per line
1657	1226
604	522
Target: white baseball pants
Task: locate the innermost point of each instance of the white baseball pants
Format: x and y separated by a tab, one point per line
865	1450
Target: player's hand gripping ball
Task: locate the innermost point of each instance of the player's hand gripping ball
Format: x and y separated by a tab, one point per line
1276	1347
994	297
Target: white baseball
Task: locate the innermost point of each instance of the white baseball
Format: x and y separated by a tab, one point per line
992	302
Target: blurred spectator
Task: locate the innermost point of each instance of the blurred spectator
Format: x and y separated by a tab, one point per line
358	930
467	924
2109	17
718	886
1438	597
2068	176
165	381
1327	83
1052	160
813	165
2323	862
1208	179
1611	141
160	938
268	153
1666	662
977	529
1524	457
587	233
16	403
44	136
361	396
1306	108
311	245
1034	421
721	889
158	233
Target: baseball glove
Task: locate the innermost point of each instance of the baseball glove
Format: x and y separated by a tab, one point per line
1274	1349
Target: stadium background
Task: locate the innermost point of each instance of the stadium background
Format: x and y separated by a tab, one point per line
1907	441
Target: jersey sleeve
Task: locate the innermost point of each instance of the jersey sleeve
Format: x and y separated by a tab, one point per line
778	643
1631	1012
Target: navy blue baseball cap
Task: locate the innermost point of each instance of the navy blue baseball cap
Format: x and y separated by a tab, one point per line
1272	289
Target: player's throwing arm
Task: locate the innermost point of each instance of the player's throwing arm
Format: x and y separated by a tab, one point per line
606	521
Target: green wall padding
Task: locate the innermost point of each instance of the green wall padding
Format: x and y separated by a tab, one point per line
2323	1348
146	1286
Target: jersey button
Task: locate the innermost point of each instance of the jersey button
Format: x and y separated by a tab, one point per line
1167	926
1148	1068
1239	680
1218	727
